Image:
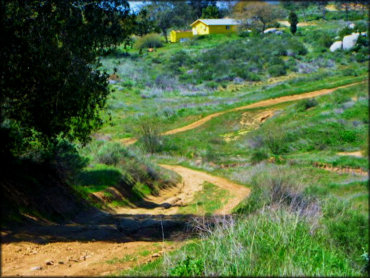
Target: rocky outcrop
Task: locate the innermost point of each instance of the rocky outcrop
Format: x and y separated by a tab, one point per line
350	41
336	45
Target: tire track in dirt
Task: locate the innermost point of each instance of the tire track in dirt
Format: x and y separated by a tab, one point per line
259	104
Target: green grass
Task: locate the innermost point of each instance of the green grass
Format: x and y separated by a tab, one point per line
265	244
299	219
206	201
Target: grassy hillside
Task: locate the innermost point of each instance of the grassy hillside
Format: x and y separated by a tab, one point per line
308	211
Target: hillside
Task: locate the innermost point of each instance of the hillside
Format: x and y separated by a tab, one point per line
225	155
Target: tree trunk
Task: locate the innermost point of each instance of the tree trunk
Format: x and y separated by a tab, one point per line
164	32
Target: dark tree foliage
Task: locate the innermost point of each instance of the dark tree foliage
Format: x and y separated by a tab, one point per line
293	20
199	5
143	24
211	12
50	83
170	14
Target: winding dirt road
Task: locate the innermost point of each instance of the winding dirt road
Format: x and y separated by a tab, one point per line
109	245
263	103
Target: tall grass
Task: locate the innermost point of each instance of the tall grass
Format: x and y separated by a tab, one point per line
270	243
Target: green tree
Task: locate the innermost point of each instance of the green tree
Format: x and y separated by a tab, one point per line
166	15
198	6
50	83
293	20
143	24
211	12
257	15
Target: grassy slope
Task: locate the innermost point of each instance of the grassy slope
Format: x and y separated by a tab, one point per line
282	242
277	240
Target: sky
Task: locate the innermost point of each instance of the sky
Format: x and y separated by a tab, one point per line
135	5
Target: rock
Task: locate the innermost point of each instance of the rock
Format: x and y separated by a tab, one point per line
112	81
348	104
36	268
238	80
335	46
60	262
351	25
350	41
155	255
270	30
49	262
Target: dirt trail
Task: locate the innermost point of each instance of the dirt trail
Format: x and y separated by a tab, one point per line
197	178
263	103
171	199
341	170
116	243
356	154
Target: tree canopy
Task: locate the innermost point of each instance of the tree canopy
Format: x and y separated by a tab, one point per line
257	14
51	85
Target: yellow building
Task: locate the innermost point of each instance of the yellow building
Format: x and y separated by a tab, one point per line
176	36
214	26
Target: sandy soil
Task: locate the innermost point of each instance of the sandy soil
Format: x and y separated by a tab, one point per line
356	154
76	258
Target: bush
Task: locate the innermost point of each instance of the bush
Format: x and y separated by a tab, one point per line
258	156
278	186
325	40
306	104
111	153
150	134
149	41
347	228
67	161
344	32
277	70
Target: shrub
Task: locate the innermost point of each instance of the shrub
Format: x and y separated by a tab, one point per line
150	134
325	40
179	59
278	186
344	32
149	41
277	70
258	156
111	153
188	267
306	104
67	160
347	228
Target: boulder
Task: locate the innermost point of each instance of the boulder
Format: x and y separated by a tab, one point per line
335	46
350	41
270	30
351	25
238	80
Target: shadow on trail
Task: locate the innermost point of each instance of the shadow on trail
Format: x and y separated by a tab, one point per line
111	228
